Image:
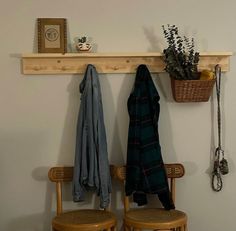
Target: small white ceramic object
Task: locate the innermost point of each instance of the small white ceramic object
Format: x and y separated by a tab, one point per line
82	45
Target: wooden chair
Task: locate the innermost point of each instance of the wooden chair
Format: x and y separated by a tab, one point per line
154	218
78	220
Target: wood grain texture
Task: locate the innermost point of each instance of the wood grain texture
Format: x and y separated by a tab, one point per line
62	174
172	170
84	220
72	63
155	218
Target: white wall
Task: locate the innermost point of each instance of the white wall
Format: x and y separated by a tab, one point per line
38	113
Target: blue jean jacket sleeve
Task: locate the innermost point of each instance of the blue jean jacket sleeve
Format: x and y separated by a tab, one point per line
91	166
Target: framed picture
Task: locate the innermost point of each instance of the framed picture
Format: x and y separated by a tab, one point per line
52	35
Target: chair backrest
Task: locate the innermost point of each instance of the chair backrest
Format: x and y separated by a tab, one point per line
173	171
60	175
65	174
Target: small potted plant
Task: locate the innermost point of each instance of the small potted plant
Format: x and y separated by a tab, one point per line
181	61
82	44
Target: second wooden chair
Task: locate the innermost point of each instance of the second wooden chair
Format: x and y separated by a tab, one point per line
154	218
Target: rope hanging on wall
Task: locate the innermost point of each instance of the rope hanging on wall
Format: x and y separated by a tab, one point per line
220	163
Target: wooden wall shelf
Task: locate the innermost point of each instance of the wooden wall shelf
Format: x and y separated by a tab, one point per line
71	63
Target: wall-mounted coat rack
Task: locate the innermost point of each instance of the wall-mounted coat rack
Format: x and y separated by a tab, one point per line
71	63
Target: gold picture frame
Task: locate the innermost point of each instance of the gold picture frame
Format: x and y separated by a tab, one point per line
52	35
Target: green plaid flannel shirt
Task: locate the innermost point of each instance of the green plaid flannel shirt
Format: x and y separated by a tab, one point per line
145	168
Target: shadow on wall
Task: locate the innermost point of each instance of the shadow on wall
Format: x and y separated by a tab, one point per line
166	135
67	148
165	126
118	115
38	221
33	222
35	39
156	42
22	147
115	117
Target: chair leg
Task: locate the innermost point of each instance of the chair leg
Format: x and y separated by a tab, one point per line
110	229
127	228
183	228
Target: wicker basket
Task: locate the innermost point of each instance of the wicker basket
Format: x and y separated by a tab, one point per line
191	90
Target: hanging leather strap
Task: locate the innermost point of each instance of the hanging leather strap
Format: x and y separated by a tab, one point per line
220	163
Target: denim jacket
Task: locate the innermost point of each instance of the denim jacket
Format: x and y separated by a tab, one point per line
91	166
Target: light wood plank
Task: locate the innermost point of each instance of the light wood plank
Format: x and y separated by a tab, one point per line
72	63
